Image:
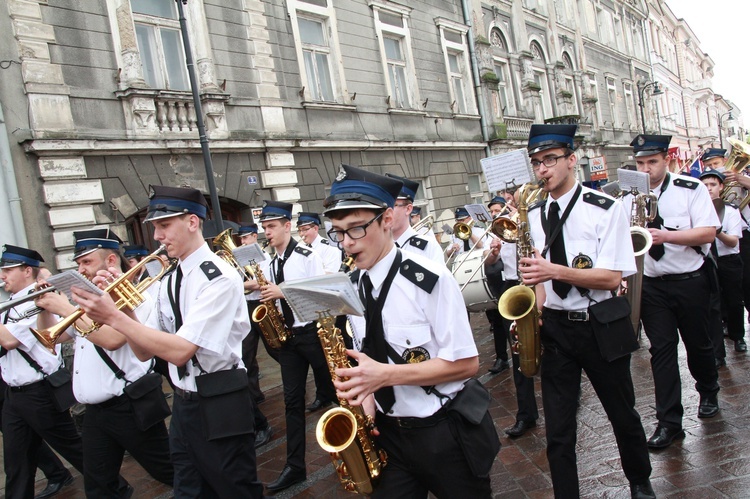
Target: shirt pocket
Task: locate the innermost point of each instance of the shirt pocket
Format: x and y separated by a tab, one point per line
582	248
408	336
677	223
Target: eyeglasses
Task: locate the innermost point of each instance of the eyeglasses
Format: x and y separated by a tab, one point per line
549	161
400	205
358	232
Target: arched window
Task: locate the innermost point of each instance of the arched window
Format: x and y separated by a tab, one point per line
502	98
539	64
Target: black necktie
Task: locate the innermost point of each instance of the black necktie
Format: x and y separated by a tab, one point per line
181	370
657	250
285	308
557	250
376	345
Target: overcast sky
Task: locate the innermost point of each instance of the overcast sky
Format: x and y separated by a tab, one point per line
723	29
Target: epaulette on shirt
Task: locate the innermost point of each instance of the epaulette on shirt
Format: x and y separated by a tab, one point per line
419	275
302	251
210	269
537	204
325	241
597	200
683	182
418	243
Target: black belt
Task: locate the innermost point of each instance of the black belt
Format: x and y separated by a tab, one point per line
185	395
571	315
409	422
25	388
677	277
309	328
112	402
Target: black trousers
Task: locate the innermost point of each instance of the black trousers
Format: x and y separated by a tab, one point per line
670	310
47	461
30	416
300	352
250	359
222	468
499	332
569	348
732	303
745	256
108	431
422	460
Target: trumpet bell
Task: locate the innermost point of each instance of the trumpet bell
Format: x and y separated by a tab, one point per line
641	239
506	229
462	230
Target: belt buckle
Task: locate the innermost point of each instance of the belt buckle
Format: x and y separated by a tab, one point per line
578	315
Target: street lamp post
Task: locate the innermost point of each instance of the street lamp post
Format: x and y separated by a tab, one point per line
642	87
721	117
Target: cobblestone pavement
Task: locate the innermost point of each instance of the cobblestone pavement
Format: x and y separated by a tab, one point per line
712	461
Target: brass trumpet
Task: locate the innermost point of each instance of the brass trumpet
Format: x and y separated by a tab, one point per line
502	227
225	242
123	291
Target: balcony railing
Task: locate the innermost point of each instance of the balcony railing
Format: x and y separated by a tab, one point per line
517	128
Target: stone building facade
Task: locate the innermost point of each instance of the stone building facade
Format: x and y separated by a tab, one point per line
99	108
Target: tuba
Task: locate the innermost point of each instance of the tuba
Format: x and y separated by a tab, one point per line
344	431
737	161
126	295
642	211
519	302
267	316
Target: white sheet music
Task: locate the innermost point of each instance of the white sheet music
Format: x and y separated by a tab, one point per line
629	179
332	293
66	280
479	213
505	171
246	255
153	267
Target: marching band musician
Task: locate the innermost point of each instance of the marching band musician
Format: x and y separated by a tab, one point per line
29	413
428	342
586	261
308	227
729	264
713	158
744	182
200	320
109	428
675	287
527	413
404	235
457	246
302	349
248	234
497	281
415	216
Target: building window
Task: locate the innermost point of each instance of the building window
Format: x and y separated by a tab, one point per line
316	42
501	71
455	51
316	52
391	25
629	104
476	192
539	63
157	31
612	98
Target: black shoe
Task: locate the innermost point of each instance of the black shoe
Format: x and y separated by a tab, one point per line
287	478
720	362
709	406
128	492
53	488
318	404
262	437
520	428
642	491
740	345
663	437
499	366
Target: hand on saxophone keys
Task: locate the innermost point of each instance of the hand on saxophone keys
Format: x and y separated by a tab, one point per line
537	270
357	384
270	292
